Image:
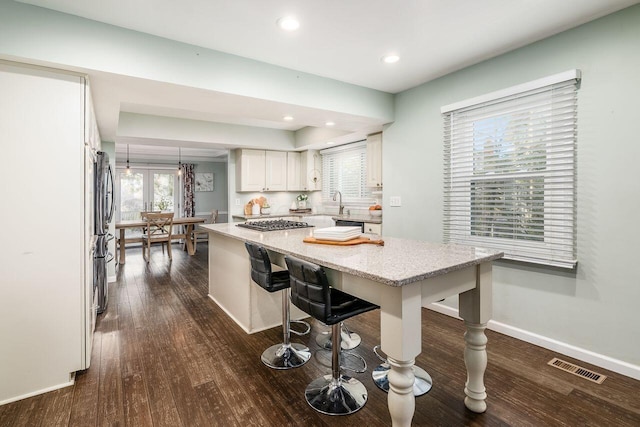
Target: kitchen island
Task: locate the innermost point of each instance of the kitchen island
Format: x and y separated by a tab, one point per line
401	277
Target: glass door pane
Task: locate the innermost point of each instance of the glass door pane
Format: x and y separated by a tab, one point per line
164	184
132	200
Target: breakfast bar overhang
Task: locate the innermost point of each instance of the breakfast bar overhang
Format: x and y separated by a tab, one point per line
401	277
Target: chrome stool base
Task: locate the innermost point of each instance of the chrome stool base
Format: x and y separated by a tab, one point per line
282	356
421	385
349	340
343	396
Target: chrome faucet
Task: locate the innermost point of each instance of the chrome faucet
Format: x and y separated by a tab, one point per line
341	210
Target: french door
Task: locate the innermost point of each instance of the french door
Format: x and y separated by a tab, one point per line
145	190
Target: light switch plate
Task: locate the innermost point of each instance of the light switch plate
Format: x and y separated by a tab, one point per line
395	201
237	202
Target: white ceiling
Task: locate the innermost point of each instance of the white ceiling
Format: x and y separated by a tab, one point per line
338	39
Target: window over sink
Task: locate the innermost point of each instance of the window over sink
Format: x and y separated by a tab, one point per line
344	170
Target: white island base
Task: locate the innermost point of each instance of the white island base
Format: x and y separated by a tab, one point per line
230	286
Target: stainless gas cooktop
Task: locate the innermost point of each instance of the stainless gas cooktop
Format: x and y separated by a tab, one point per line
274	225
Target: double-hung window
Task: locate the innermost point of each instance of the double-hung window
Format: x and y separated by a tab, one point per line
344	170
510	173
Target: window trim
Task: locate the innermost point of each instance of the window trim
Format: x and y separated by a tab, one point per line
461	167
513	90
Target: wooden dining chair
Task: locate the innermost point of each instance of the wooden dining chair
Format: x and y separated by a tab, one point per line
159	229
143	216
212	220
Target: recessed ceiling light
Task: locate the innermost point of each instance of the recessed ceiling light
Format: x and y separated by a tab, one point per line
330	142
329	123
288	23
287	118
390	59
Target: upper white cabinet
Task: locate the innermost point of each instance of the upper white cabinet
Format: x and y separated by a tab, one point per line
276	171
294	173
259	170
311	170
374	160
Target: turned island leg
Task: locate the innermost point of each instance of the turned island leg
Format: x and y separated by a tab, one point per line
476	310
475	358
401	339
401	401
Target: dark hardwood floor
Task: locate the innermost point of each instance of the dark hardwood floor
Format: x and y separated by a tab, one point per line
166	355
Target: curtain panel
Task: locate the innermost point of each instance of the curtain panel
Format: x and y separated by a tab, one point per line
188	183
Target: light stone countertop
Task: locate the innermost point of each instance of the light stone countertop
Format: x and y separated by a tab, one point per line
397	263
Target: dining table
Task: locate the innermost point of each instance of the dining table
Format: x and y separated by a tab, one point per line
187	233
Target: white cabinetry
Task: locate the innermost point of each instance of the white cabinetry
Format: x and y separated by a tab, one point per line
374	160
47	268
373	228
275	177
311	170
259	170
91	134
294	173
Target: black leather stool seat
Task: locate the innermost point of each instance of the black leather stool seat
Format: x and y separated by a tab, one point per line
261	272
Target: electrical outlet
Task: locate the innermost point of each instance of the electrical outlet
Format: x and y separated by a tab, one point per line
237	202
395	201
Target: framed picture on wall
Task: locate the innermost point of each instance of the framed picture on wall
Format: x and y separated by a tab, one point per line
204	181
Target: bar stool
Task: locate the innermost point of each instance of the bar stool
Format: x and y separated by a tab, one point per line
380	375
334	394
286	355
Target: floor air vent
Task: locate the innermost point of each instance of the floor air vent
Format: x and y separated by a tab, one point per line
577	370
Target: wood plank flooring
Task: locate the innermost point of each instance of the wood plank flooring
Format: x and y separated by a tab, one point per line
166	355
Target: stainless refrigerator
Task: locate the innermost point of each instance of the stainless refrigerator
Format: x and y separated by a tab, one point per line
104	207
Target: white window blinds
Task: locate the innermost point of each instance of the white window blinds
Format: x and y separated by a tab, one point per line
344	170
510	176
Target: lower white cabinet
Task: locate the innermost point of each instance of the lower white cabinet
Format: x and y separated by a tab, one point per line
372	228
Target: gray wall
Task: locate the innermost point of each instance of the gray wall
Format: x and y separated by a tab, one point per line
205	201
594	308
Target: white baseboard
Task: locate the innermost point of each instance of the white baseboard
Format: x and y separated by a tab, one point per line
606	362
244	328
42	391
253	331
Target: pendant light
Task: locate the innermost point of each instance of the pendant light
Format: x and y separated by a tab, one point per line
179	161
128	171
